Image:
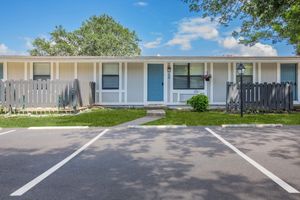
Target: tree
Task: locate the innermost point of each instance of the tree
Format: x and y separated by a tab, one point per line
98	36
273	20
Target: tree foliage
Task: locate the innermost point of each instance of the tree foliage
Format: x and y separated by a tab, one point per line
274	20
98	36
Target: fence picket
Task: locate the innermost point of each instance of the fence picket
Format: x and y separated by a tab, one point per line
258	96
22	94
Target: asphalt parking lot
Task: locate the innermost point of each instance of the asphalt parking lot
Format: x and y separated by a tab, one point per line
150	163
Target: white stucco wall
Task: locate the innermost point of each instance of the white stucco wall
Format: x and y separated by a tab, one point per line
135	82
85	71
268	72
15	71
110	97
66	71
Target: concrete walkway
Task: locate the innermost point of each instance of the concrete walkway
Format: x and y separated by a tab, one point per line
152	115
138	121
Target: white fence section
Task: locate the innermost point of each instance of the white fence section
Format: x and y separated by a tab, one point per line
21	94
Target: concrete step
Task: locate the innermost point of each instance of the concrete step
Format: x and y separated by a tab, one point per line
156	113
155	107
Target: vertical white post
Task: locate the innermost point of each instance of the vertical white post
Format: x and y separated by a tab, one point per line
165	83
171	82
100	82
278	73
212	82
125	81
229	72
5	71
120	81
25	71
94	72
259	72
234	72
51	71
76	70
31	71
254	72
205	82
57	70
145	83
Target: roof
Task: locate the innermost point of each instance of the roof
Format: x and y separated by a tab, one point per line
150	58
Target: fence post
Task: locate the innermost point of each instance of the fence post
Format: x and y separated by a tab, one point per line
291	96
92	93
227	96
78	92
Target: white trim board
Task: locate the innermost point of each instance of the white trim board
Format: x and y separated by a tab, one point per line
212	82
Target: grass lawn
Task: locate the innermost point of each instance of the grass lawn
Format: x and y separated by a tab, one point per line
189	118
97	117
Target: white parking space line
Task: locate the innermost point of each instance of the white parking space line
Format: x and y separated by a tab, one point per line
47	173
3	133
266	172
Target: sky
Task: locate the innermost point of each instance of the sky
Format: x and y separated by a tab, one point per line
165	27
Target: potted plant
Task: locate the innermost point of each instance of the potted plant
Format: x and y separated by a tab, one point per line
207	77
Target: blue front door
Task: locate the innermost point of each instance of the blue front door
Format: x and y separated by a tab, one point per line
155	82
289	74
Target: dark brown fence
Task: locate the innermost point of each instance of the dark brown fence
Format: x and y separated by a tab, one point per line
266	97
45	94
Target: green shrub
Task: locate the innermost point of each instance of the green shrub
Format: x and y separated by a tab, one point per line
199	102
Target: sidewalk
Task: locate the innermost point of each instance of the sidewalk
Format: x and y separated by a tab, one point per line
139	121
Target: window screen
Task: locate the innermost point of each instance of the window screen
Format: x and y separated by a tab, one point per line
248	74
41	71
110	76
188	76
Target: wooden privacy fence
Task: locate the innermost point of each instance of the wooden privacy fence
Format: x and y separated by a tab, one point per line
264	97
20	94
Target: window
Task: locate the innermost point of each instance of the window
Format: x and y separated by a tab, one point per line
1	71
189	76
41	71
248	74
110	76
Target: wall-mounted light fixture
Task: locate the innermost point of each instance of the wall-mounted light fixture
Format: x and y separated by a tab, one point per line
169	69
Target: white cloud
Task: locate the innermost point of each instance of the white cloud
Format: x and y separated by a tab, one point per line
236	48
28	42
191	29
4	50
141	3
153	44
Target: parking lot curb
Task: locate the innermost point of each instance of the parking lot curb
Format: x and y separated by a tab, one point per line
159	126
57	127
251	125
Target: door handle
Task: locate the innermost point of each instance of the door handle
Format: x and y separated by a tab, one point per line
162	83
